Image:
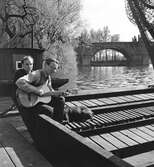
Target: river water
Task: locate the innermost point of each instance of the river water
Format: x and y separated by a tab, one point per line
113	77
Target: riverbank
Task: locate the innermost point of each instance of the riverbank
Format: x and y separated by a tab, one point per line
14	118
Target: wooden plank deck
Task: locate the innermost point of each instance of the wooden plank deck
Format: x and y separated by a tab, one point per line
16	144
72	147
15	151
17	122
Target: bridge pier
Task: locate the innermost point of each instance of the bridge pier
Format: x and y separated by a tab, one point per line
86	61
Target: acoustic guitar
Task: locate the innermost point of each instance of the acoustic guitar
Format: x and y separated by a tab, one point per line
30	100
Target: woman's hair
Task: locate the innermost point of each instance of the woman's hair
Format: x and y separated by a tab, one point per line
26	58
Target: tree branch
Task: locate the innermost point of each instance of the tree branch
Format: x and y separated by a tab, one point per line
147	5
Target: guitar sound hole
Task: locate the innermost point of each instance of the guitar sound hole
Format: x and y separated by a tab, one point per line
29	97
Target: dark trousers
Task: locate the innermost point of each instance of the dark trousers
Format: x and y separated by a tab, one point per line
58	104
54	109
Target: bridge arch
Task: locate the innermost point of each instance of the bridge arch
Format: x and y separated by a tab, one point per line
135	52
121	50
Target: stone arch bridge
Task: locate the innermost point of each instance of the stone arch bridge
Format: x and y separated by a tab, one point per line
134	52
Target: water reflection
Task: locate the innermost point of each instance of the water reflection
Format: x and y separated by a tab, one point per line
114	77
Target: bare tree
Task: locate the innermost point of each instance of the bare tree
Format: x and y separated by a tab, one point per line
59	21
16	21
100	35
141	13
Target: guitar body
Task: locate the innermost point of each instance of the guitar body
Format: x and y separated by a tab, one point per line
30	100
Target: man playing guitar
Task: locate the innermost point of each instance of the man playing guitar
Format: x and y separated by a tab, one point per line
36	86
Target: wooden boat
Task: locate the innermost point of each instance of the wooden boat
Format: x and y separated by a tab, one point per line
121	133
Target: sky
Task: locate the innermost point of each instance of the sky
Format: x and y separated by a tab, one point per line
99	13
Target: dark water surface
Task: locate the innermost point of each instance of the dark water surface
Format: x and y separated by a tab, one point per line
114	77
